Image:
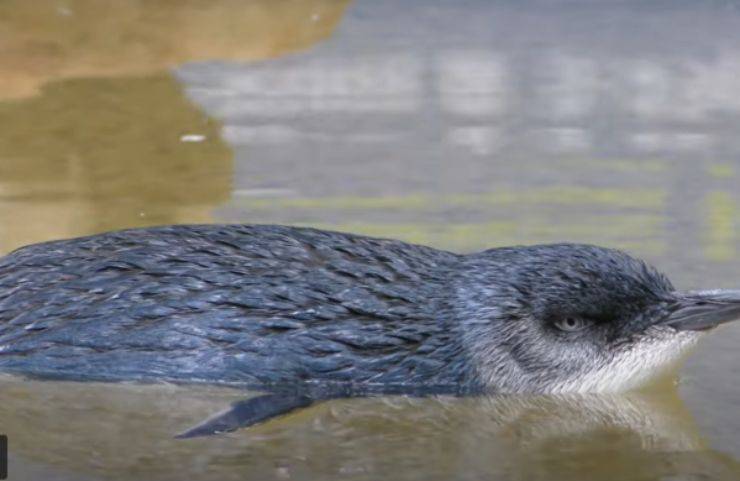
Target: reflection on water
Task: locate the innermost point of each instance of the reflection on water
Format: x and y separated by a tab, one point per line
48	40
83	156
125	432
463	125
637	228
530	99
722	212
91	155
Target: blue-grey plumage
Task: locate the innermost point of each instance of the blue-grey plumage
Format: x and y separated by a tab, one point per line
255	305
311	311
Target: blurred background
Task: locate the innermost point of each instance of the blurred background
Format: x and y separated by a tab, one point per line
461	124
464	124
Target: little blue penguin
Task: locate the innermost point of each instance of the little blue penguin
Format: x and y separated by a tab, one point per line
307	315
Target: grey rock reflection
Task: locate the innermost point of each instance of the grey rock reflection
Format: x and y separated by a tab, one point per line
624	97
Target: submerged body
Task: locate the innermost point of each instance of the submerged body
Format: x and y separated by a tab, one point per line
255	305
293	308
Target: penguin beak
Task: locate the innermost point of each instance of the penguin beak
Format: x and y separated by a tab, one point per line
703	310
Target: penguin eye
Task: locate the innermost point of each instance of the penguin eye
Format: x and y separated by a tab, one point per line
571	324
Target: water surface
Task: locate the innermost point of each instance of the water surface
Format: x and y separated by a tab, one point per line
458	124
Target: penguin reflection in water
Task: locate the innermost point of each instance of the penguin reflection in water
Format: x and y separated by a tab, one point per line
309	315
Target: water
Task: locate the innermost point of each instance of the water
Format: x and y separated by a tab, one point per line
462	125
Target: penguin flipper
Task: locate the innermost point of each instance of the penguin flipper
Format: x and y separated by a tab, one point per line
247	413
